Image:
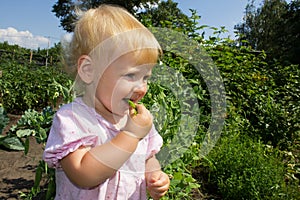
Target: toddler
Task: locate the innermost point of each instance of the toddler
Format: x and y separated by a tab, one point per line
101	147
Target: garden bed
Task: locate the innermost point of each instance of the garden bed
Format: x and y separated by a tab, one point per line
17	170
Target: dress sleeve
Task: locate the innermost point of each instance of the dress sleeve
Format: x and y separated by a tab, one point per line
155	142
68	132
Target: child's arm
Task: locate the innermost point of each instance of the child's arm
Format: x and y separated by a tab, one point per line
157	181
88	167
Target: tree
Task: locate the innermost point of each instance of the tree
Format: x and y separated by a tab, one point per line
65	9
164	11
292	32
167	15
274	27
260	25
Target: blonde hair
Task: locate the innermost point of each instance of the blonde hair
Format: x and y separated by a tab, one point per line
102	24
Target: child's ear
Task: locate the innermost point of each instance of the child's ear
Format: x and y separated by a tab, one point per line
85	69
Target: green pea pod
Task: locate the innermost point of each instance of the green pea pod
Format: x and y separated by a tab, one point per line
133	106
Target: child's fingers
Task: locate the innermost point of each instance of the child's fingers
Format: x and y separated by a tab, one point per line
159	179
141	109
144	116
155	178
132	112
157	193
158	185
139	124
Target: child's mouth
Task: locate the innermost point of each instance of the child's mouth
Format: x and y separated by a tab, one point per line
130	99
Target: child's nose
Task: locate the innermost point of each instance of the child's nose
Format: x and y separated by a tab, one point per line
140	89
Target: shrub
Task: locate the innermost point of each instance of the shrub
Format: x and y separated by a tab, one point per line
242	168
264	93
29	87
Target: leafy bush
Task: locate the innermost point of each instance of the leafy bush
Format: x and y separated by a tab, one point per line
183	184
29	87
20	55
32	123
265	94
245	169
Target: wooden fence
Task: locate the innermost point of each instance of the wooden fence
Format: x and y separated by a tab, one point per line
32	57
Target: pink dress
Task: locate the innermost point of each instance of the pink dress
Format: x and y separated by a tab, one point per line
76	125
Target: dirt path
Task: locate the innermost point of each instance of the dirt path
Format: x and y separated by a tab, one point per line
17	171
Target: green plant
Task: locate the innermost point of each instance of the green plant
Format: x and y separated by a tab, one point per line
246	169
27	85
264	93
32	123
3	119
47	192
182	182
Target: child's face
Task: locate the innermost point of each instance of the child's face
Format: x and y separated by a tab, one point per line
121	81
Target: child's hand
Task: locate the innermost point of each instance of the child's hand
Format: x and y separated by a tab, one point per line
158	184
140	123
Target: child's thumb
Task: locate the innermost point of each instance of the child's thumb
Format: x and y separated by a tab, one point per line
152	180
155	177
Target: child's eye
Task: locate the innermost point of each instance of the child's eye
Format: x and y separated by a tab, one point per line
146	78
130	76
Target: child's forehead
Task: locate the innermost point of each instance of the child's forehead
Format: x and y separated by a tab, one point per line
125	66
143	57
134	59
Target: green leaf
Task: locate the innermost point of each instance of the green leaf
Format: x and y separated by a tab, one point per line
26	145
178	176
2	136
12	143
51	189
25	132
38	177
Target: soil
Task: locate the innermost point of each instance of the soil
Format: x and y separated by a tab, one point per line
17	171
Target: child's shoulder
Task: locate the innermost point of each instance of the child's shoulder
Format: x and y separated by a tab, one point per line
77	109
73	106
